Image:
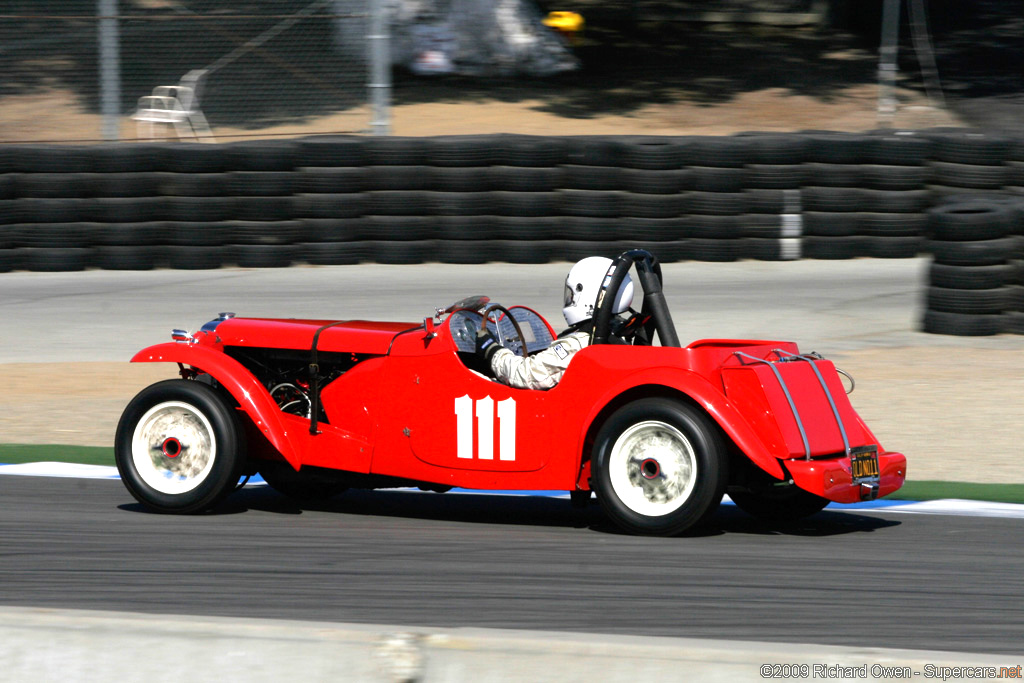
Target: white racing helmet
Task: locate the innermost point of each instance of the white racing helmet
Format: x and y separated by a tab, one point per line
583	284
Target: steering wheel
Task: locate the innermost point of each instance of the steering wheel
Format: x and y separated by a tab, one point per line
515	324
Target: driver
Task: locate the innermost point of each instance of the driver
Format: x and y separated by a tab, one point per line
543	370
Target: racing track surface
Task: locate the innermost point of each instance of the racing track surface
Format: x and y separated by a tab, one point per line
860	579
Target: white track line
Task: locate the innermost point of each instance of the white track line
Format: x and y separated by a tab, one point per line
955	507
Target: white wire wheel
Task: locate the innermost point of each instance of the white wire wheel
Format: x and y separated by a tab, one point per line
658	466
178	447
653	468
173	447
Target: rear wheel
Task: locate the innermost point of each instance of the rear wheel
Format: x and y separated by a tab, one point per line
179	447
659	466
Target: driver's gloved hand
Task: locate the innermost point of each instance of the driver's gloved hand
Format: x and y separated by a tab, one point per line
486	344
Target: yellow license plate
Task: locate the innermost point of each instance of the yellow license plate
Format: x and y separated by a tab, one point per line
864	463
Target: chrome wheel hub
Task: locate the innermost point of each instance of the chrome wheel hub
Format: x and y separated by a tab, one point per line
653	468
173	447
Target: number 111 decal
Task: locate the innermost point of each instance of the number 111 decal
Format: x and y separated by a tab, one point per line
483	409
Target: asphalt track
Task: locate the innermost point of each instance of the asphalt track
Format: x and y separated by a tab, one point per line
841	578
844	578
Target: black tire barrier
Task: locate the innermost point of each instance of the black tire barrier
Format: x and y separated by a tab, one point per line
328	253
1013	322
866	194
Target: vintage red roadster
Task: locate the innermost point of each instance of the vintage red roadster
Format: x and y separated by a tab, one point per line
658	432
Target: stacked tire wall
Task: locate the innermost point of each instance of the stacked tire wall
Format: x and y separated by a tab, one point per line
510	198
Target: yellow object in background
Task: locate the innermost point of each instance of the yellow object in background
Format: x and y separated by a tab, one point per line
568	24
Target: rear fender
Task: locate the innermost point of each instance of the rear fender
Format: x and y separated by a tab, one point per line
252	396
707	396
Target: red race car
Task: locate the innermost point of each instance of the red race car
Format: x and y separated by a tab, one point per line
658	433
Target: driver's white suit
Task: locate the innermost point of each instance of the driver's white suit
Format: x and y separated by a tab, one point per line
542	370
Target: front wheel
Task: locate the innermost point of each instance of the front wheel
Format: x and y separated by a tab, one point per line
178	447
659	466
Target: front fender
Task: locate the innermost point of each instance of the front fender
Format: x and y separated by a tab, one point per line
239	382
710	398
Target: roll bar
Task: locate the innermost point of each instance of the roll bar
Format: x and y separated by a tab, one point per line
655	307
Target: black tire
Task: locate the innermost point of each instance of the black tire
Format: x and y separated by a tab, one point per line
655	229
971	220
347	205
454	179
516	251
717	203
530	150
832	248
396	151
260	255
971	147
776	148
261	155
895	247
1013	322
772	201
973	253
179	417
263	184
893	224
194	258
265	209
657	182
337	150
722	152
833	175
128	257
590	229
130	184
968	301
970	176
198	234
521	179
202	209
331	253
592	177
54	260
307	485
460	203
837	148
706	249
962	325
461	151
970	277
712	179
590	203
401	253
57	185
652	152
714	227
784	505
904	149
194	184
58	235
630	482
345	179
193	158
596	150
654	205
774	176
881	177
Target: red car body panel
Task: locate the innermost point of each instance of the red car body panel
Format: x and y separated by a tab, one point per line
410	407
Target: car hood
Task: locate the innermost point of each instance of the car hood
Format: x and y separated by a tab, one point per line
349	336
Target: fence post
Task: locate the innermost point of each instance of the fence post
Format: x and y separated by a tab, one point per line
110	69
380	69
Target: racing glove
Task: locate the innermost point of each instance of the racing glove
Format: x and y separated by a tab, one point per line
486	344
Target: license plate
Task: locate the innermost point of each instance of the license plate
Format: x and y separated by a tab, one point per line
864	463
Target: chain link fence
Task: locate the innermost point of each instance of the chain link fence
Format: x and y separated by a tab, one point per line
90	70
